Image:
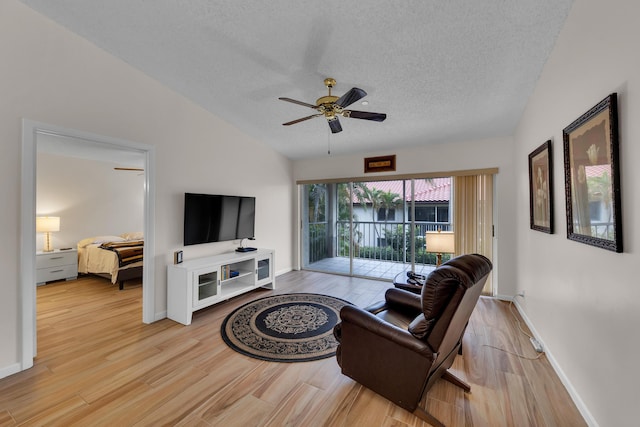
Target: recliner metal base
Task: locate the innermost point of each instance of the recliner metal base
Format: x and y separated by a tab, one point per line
426	416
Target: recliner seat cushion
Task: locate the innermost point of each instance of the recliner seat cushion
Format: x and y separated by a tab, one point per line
395	318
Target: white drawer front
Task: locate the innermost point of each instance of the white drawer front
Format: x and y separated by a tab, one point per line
56	273
56	259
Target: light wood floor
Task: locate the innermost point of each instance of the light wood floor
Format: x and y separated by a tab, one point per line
99	365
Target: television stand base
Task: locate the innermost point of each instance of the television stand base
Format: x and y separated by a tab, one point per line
247	249
202	282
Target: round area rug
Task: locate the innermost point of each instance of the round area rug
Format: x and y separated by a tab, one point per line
285	328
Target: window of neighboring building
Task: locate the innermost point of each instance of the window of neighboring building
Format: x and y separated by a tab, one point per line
442	213
423	213
431	213
385	214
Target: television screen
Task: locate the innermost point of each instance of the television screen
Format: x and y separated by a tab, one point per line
217	218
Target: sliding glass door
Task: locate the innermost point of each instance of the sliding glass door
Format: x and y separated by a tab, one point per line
373	229
326	232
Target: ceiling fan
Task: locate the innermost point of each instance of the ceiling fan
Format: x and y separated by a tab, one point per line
331	107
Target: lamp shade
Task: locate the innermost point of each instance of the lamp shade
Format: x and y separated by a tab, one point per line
45	224
440	242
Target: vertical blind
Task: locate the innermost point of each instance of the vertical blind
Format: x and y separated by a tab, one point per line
473	217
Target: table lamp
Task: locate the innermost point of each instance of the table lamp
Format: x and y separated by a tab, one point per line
439	243
47	224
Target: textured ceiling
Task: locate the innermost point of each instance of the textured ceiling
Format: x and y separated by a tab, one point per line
441	70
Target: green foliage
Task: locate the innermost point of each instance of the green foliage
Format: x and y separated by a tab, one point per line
380	253
317	202
398	246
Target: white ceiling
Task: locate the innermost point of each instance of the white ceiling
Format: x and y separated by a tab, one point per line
441	70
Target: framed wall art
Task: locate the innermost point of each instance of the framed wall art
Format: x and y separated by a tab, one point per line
541	189
380	164
592	177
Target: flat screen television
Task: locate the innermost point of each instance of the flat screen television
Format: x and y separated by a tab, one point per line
217	218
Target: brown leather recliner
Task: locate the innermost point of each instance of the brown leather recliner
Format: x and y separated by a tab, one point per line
401	346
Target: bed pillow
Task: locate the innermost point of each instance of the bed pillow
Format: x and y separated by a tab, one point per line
98	240
135	235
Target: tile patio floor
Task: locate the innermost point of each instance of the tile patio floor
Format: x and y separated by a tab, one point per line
373	269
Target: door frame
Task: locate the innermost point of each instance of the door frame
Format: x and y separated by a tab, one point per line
27	294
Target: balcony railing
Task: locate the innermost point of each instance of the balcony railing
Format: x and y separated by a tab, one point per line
385	241
318	243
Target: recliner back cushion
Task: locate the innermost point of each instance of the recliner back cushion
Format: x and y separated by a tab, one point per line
441	285
454	276
475	267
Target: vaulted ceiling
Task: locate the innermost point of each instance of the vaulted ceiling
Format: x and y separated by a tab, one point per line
442	71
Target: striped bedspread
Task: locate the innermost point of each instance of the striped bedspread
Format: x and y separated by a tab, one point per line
128	252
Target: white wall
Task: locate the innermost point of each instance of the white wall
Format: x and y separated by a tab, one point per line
583	301
50	75
465	155
90	197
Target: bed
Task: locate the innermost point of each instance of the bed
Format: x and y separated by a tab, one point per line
117	258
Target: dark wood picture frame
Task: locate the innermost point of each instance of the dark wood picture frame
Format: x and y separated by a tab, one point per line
592	177
380	164
541	188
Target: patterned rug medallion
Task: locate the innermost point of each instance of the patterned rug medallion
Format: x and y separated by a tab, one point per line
285	328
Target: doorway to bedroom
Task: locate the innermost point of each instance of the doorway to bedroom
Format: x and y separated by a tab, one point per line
42	141
96	192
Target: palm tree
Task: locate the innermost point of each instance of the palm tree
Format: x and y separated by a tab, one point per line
388	201
364	194
379	200
317	199
372	195
345	196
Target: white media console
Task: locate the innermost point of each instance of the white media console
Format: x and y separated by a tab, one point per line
201	282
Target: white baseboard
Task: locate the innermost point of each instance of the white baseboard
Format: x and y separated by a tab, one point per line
9	370
586	414
281	272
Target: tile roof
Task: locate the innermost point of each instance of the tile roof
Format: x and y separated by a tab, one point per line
426	190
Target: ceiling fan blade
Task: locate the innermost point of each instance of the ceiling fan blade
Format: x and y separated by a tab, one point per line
293	122
304	104
335	126
366	115
350	97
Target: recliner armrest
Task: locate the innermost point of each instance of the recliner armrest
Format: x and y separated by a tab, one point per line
403	300
366	320
398	300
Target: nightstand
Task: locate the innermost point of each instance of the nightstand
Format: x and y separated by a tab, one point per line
56	265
